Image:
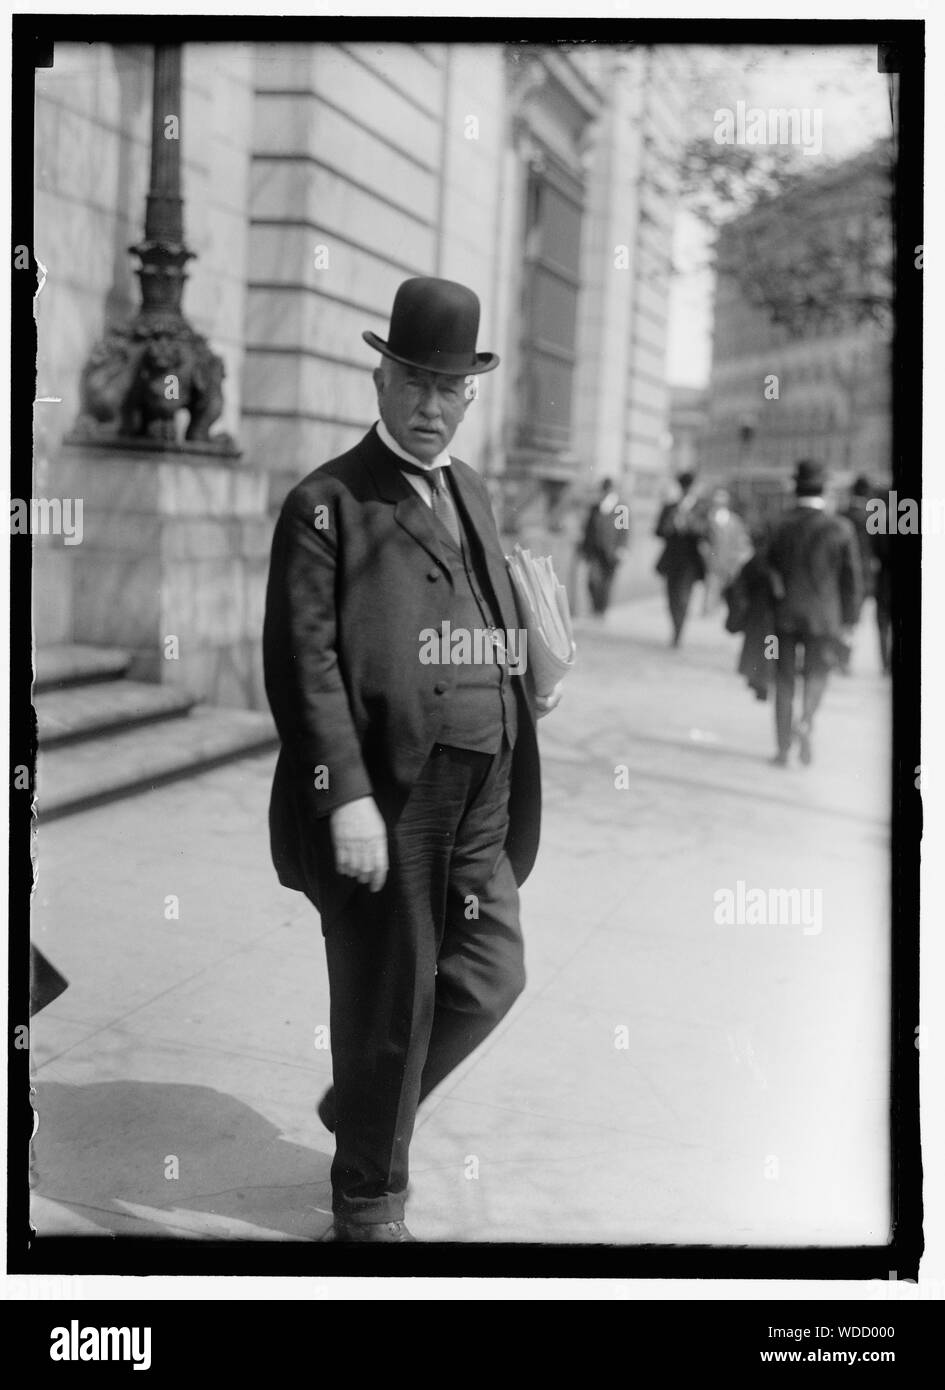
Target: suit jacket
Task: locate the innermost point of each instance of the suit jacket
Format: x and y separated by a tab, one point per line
682	532
751	611
603	540
816	556
357	570
857	515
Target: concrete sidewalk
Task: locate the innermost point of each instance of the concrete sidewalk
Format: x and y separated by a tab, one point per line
663	1078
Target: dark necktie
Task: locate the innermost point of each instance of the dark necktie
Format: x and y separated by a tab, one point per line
443	505
444	508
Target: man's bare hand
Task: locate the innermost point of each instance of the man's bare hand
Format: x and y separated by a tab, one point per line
546	703
359	836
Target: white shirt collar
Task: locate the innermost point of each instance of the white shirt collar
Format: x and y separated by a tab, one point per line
818	503
384	435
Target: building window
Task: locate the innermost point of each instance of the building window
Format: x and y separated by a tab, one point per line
550	285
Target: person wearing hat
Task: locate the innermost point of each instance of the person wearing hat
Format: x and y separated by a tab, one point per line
406	797
813	559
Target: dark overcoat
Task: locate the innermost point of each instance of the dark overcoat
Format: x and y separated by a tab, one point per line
682	531
815	556
357	572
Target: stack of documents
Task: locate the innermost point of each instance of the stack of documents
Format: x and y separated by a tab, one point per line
543	607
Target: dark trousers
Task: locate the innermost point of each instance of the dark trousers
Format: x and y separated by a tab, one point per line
884	624
421	972
812	657
679	586
600	580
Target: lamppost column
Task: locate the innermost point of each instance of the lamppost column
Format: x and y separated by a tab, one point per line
163	215
162	252
140	376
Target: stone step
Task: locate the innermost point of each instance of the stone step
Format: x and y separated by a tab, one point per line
76	776
72	664
72	712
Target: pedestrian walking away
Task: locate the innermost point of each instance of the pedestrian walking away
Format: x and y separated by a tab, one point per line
725	549
681	563
750	600
874	558
603	545
857	513
882	586
813	560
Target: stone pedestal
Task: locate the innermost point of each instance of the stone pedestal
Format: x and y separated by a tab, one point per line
172	566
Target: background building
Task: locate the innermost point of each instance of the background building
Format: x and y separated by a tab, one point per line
315	179
687	421
819	385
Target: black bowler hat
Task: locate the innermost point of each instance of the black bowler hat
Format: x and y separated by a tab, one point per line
809	477
433	325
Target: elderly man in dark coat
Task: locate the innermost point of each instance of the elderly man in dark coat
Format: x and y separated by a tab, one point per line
406	798
814	563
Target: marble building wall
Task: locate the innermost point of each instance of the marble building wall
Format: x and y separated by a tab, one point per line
658	121
610	268
371	163
472	245
316	178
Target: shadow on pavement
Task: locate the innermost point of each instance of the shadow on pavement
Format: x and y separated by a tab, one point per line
109	1152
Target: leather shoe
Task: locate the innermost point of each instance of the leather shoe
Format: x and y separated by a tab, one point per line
386	1231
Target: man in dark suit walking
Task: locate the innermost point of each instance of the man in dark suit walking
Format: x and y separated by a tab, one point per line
813	560
406	800
681	563
603	544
